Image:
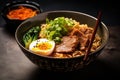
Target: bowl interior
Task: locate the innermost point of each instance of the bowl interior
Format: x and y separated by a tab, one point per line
81	17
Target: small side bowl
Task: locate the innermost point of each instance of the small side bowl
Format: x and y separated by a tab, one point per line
14	5
60	64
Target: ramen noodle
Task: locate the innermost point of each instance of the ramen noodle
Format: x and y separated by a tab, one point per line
69	38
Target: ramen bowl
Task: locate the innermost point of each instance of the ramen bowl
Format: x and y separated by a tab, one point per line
61	64
16	12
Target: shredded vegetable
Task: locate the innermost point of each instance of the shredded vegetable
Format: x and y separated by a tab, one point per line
21	13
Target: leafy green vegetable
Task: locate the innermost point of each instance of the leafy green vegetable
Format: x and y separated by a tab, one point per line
56	28
31	35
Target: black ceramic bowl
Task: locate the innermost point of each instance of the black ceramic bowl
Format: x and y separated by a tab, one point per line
60	64
13	23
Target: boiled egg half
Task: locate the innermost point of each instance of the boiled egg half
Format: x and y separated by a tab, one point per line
42	46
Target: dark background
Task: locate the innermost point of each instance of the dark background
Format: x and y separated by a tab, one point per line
110	8
15	66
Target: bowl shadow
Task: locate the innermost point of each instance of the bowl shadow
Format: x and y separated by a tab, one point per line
10	29
96	70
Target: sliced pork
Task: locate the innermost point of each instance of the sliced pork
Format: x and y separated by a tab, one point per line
68	44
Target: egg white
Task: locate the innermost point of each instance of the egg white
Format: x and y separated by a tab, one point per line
33	46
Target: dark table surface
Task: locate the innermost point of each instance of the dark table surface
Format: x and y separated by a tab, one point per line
15	66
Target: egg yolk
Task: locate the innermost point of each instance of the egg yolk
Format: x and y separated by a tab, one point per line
42	46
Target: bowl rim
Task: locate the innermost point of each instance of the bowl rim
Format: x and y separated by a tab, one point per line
69	11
